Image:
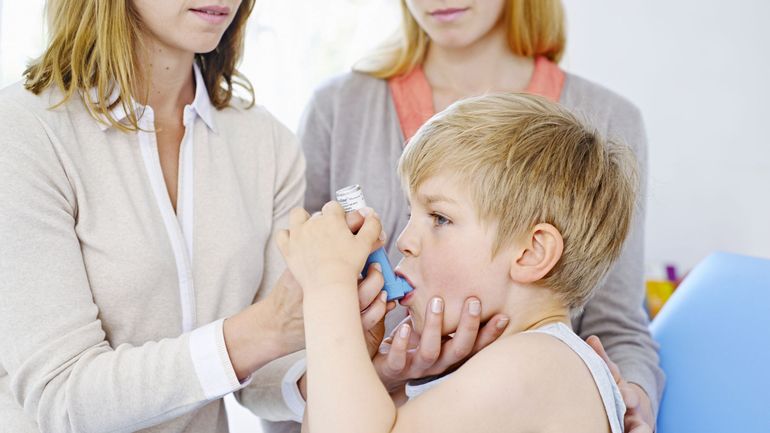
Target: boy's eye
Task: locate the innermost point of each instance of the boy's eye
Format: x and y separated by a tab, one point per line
439	220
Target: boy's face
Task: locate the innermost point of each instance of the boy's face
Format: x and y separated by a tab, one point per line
448	253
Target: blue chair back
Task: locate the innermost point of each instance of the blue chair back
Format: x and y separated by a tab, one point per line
714	336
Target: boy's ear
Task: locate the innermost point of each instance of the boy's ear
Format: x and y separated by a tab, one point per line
538	253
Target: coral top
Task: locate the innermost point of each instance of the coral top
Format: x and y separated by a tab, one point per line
413	96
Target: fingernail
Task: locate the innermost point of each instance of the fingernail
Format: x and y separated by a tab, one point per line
502	323
474	307
378	266
365	211
437	305
384	348
383	236
384	296
404	331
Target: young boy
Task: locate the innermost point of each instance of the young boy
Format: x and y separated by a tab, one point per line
513	201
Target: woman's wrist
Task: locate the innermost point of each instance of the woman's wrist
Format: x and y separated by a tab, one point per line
252	340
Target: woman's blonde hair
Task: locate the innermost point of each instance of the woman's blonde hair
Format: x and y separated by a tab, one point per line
535	28
93	50
524	161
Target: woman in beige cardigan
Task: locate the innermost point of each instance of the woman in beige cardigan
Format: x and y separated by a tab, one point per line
138	197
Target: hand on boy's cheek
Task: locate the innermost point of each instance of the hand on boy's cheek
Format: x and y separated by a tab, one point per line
407	354
638	417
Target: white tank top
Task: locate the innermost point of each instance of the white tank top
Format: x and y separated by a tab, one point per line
611	398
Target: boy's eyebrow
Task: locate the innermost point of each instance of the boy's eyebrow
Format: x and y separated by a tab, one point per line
433	198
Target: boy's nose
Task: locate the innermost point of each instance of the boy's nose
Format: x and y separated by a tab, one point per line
408	242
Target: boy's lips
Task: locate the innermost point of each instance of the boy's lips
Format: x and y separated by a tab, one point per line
405	299
399	273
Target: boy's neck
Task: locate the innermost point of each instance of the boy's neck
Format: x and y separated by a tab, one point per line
532	308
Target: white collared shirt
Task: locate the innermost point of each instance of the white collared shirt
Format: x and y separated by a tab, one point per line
207	341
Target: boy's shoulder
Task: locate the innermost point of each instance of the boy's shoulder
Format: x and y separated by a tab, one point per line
530	380
534	365
527	363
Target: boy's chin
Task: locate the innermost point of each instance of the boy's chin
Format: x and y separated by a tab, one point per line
418	325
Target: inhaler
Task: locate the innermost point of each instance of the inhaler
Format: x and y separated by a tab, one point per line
351	198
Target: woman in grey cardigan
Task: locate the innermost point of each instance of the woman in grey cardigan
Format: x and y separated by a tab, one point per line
356	125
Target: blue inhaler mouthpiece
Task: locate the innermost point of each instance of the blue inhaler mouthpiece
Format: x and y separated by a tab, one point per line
351	198
396	286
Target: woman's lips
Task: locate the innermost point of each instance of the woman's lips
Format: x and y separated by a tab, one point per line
212	14
448	15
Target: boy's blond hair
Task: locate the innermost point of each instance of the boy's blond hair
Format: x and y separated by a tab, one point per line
526	160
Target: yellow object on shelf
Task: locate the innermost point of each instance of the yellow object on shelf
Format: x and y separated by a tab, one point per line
658	292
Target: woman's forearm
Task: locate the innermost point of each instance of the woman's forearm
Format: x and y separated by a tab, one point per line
253	340
344	392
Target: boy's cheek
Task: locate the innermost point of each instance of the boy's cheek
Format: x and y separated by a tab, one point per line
451	318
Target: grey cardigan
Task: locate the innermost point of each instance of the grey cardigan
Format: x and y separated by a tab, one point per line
351	134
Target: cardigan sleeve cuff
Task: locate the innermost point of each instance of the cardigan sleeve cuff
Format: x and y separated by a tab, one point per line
212	362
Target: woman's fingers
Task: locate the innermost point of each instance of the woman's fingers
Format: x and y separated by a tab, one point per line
636	424
385	345
369	288
430	338
407	319
597	345
630	397
375	312
493	329
461	344
395	361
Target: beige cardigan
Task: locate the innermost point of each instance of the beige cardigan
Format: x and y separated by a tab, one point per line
111	304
